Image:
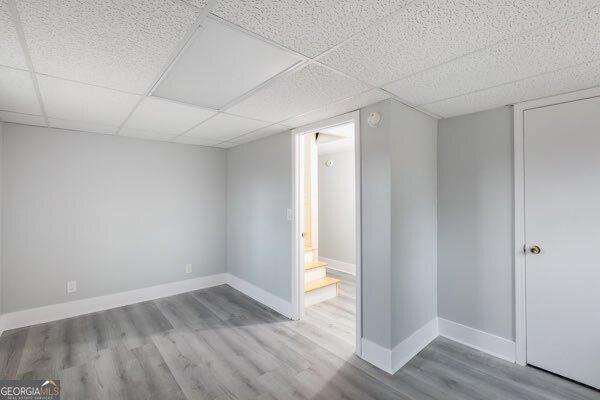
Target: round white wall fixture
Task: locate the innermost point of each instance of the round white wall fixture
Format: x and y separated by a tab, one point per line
374	119
329	163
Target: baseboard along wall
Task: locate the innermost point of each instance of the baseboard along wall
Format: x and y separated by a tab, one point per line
54	312
339	265
389	360
483	341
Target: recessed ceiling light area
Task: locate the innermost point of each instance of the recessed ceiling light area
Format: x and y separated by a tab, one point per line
220	64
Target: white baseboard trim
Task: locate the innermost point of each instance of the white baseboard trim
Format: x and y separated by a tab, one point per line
392	360
276	303
377	355
74	308
54	312
483	341
339	265
412	345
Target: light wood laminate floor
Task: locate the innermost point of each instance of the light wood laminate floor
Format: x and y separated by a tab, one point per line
219	344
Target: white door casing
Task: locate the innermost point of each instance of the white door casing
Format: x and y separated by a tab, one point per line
297	253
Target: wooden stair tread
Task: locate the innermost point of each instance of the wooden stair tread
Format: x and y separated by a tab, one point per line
309	248
320	283
314	264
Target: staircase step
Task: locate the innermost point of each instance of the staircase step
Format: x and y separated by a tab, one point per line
314	264
309	248
314	285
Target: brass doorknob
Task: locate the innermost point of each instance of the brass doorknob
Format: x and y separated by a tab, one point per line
535	249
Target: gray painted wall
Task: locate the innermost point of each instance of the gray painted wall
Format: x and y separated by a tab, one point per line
111	212
1	140
475	211
259	185
413	150
337	207
399	191
376	226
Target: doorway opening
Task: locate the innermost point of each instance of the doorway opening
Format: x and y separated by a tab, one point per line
327	229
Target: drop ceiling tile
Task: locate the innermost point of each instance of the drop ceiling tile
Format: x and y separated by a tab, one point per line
338	108
261	133
17	92
567	80
147	135
82	126
196	140
227	145
11	54
197	3
555	46
309	26
25	119
87	104
162	119
221	64
224	127
118	44
429	32
304	89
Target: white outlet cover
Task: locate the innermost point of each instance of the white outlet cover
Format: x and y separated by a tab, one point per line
71	286
188	268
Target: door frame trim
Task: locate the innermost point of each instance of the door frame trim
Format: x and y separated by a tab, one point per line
297	242
519	259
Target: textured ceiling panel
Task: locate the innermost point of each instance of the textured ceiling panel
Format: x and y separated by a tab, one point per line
260	133
82	126
122	44
19	118
224	127
148	135
563	81
11	53
340	107
87	104
196	140
430	32
220	65
226	145
17	92
555	46
163	120
307	26
198	3
305	89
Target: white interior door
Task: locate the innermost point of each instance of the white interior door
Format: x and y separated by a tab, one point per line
562	217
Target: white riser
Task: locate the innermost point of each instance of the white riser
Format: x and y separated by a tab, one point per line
309	256
315	274
319	295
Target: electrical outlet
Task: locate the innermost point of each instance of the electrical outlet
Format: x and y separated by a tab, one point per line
289	214
71	286
188	268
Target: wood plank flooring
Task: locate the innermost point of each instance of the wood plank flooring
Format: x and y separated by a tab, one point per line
219	344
